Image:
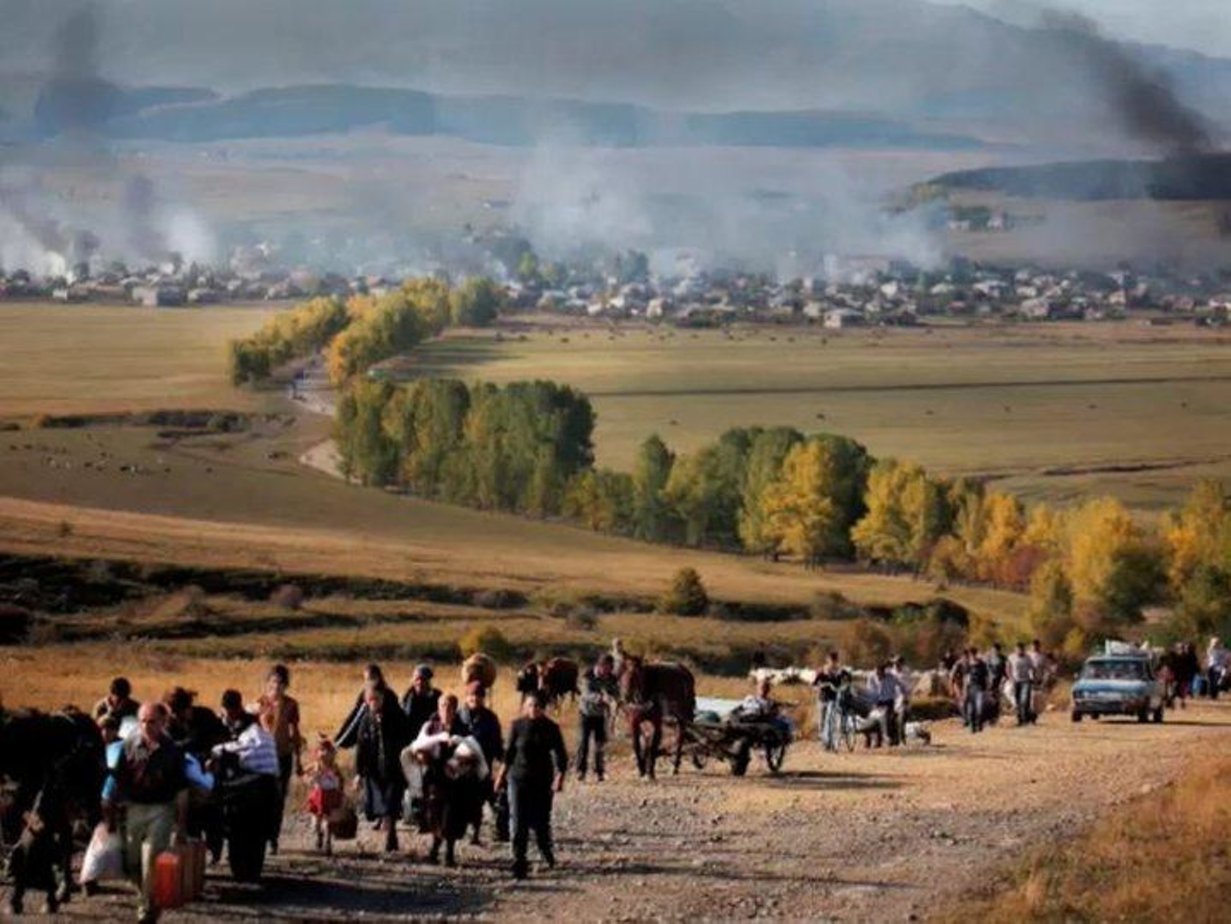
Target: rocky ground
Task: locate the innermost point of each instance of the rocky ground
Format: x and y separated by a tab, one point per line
838	837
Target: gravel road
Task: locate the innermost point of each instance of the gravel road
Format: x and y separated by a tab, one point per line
834	837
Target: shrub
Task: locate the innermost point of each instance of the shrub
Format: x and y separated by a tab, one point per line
686	596
287	596
583	617
487	639
15	624
869	644
833	605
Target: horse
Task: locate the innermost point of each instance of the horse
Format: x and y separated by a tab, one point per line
655	693
57	764
479	667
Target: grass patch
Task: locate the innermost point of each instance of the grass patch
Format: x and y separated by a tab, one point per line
1162	857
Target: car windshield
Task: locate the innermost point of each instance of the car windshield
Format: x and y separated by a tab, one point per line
1123	669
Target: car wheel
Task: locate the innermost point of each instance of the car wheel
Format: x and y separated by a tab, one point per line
1076	716
1094	715
1158	715
1143	714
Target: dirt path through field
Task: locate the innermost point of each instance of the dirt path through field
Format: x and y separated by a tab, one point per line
841	837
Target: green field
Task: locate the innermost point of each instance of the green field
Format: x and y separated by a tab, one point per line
1057	411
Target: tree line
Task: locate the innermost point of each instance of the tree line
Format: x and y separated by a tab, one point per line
363	330
1090	569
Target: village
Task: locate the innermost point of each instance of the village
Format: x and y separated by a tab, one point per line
843	291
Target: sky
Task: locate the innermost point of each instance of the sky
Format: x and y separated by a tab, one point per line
1198	25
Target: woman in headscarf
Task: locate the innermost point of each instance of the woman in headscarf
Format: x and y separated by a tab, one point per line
381	736
452	778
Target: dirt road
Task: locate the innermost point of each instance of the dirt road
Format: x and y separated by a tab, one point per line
841	837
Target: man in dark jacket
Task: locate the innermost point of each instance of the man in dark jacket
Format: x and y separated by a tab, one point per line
535	762
421	700
484	726
152	787
382	735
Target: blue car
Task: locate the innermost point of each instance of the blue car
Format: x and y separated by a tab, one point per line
1118	685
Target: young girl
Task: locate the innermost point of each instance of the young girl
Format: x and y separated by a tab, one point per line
326	795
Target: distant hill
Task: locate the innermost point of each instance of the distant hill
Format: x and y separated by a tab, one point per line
1201	177
201	116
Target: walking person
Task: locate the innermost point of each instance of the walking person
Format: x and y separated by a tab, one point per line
279	712
1021	673
884	689
534	769
118	702
1187	667
347	734
830	683
1043	665
483	726
381	737
421	700
151	788
975	684
447	797
901	673
1216	661
599	690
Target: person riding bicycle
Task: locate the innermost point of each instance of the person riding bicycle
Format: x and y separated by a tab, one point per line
833	683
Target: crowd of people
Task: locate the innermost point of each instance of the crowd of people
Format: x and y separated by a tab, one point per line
441	763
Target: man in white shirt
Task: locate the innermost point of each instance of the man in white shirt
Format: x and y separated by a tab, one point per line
885	689
255	750
1217	658
1021	673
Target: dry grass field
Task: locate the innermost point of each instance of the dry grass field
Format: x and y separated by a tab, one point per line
58	359
1057	410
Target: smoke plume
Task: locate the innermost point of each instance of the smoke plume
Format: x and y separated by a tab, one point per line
1146	103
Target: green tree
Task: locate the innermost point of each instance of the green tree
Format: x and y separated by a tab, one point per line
476	303
652	520
1050	613
765	457
687	595
364	448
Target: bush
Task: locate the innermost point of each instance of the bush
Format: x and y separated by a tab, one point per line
834	606
583	617
686	596
287	596
869	644
486	639
15	624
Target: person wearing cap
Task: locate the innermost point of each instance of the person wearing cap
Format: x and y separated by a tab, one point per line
421	701
535	762
484	726
599	690
118	702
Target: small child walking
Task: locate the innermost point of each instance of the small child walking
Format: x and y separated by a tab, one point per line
325	796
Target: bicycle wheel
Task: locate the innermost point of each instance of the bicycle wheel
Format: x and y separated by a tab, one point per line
848	730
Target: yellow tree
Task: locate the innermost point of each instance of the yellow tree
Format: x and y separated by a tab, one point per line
906	514
1199	533
800	514
1004	524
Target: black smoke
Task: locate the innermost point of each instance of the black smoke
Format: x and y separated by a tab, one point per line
1145	103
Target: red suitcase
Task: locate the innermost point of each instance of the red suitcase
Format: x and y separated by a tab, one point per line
167	890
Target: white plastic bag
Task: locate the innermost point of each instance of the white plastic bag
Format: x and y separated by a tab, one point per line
104	857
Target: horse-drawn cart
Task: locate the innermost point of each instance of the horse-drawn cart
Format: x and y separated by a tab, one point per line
720	731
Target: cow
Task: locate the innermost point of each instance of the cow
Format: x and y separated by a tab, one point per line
653	694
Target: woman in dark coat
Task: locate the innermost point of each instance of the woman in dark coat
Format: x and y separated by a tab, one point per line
381	735
348	734
451	791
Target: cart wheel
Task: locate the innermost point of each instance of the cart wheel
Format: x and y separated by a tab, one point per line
698	760
775	753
